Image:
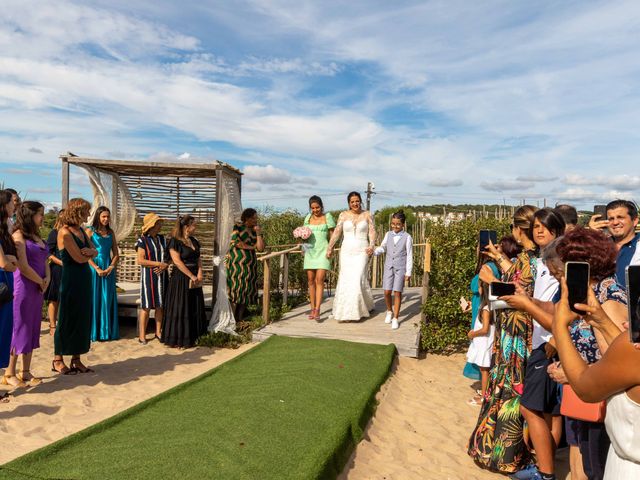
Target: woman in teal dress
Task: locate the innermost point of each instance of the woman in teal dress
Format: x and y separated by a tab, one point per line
316	262
73	330
104	314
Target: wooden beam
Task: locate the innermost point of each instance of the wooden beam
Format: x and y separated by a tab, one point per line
285	279
65	181
266	292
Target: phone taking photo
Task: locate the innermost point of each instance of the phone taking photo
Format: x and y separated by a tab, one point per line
501	289
577	277
633	297
600	210
485	236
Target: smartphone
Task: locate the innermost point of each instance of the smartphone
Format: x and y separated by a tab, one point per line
600	210
486	236
577	275
500	289
633	298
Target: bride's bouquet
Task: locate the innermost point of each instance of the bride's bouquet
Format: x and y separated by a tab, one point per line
303	233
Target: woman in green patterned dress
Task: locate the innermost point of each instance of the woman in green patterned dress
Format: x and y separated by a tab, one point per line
242	262
497	442
316	262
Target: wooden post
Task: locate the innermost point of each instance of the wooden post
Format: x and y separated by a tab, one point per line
217	235
65	181
426	270
266	291
285	281
374	275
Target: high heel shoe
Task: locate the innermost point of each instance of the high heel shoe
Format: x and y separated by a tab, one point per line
32	381
17	383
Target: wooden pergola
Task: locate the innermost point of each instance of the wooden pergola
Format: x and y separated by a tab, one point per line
168	189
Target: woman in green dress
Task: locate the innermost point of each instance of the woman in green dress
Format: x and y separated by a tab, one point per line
73	330
242	263
316	262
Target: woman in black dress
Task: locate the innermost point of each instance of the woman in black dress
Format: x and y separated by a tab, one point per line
184	320
52	294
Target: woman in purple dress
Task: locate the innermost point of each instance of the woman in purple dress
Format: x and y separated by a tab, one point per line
29	284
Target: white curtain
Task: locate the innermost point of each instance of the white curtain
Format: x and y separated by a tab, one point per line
222	319
123	219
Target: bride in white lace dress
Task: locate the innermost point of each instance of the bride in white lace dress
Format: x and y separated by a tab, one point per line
353	299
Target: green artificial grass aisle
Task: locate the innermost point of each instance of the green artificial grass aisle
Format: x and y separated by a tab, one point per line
288	408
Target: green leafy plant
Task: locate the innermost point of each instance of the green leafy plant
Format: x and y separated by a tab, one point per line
453	262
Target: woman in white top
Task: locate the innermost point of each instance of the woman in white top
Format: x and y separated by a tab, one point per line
353	299
615	378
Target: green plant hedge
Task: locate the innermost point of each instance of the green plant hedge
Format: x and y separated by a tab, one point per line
453	262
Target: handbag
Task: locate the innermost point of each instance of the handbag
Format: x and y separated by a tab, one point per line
6	292
573	407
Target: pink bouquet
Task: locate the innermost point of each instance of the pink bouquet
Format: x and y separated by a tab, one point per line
302	232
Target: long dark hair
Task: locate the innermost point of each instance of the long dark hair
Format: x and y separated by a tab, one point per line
24	219
95	223
178	228
247	213
8	245
354	194
316	199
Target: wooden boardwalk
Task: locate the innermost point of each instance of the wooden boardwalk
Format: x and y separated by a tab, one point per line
370	330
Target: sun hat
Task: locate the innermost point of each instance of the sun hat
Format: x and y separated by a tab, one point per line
149	221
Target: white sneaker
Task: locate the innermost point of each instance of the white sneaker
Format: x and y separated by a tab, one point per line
388	318
394	324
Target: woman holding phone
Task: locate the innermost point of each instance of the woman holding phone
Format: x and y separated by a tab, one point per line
497	441
605	380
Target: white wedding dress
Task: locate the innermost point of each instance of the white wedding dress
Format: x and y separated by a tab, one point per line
623	426
353	299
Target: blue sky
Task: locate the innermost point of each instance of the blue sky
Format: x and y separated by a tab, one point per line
434	102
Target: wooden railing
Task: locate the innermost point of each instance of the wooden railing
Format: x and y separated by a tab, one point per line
420	275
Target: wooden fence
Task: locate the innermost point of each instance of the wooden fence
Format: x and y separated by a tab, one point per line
419	277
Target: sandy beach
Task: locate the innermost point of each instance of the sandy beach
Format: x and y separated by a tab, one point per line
126	373
421	426
419	430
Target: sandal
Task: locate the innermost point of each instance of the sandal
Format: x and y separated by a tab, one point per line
64	370
52	329
475	401
31	381
312	314
4	397
17	383
78	366
142	342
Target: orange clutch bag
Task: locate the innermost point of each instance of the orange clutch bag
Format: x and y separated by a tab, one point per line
573	407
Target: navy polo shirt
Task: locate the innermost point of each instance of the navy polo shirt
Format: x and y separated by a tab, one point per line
625	254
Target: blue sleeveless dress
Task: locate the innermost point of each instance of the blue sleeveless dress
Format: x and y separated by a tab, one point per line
104	313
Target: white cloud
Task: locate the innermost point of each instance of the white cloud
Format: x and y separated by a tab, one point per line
445	183
266	174
502	185
536	178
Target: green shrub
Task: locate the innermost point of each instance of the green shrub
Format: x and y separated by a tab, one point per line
453	262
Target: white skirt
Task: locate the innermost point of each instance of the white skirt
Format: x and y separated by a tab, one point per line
481	347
